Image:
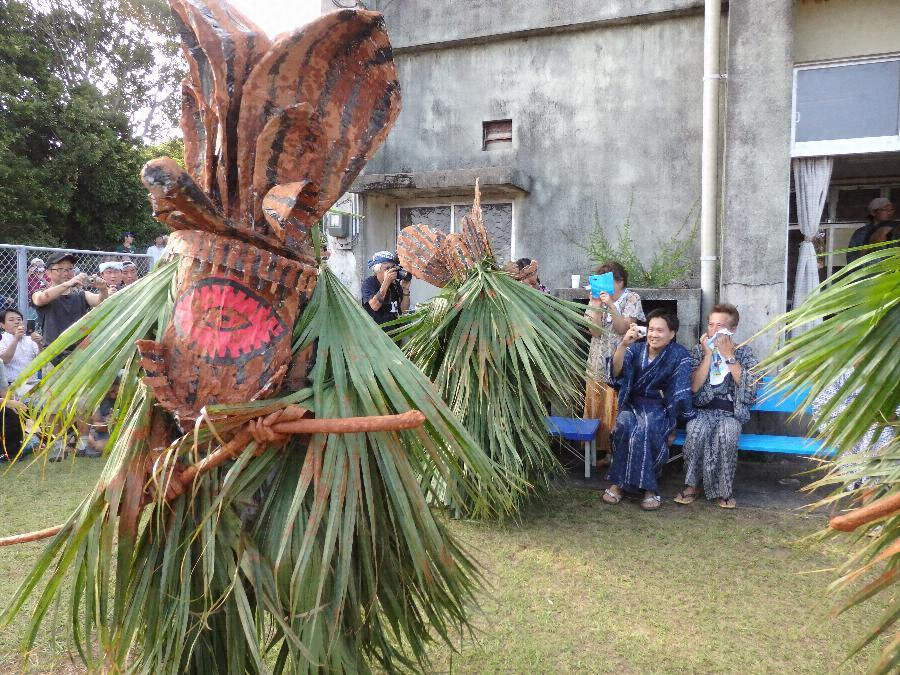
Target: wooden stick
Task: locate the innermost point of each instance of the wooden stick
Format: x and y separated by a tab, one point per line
295	424
866	514
349	425
30	536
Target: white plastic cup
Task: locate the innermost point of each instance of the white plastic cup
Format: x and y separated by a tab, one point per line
576	281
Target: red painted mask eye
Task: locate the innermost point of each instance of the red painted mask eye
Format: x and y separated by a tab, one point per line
225	321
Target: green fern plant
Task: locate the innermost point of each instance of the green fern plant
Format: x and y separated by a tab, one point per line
671	264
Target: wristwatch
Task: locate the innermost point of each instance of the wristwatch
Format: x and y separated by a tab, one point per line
731	361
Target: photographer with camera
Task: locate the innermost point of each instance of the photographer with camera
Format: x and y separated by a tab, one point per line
64	301
385	294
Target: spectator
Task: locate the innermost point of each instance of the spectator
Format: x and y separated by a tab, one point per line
653	378
385	297
155	252
17	349
64	301
10	423
525	270
724	391
881	213
112	274
611	315
98	428
36	280
127	244
129	273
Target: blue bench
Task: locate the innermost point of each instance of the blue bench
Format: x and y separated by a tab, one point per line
768	401
573	429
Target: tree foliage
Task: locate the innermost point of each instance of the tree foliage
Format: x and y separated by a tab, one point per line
69	161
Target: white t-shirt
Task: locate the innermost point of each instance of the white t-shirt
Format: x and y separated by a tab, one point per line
155	253
26	351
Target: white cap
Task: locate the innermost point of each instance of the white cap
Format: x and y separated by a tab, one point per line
110	266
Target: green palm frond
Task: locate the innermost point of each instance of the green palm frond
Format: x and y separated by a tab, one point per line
322	554
501	353
105	339
860	330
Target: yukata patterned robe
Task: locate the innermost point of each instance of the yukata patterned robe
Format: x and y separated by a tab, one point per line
711	443
653	394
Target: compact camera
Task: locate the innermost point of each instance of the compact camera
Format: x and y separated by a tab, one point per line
641	331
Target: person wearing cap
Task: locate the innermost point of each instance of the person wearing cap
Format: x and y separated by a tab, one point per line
36	280
881	214
384	297
129	273
126	245
155	252
111	271
65	301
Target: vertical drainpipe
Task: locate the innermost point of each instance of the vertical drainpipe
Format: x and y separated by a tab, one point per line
709	174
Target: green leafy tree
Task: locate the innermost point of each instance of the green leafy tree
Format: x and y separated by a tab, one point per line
69	162
128	49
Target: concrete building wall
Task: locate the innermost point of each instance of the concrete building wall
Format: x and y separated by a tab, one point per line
602	117
840	29
756	179
435	24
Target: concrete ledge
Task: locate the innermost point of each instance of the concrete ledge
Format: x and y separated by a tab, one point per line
495	182
687	306
447	25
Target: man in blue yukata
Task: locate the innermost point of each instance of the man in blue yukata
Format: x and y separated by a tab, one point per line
653	379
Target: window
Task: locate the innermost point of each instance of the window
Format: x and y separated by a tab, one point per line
496	133
498	220
846	108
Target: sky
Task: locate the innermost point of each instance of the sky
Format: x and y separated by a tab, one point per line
278	16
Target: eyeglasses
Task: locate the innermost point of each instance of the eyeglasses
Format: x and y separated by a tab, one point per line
61	269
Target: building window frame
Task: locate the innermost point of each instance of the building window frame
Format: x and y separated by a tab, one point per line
840	146
454	204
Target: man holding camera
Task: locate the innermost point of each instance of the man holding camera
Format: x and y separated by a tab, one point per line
385	294
64	301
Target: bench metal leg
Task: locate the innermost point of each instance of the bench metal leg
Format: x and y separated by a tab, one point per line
587	459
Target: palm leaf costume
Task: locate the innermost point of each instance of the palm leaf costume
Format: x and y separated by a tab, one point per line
499	351
267	502
856	345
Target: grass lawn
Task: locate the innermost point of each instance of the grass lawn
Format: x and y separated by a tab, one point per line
578	586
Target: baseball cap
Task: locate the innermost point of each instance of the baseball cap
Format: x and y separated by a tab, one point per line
382	257
59	257
878	203
110	266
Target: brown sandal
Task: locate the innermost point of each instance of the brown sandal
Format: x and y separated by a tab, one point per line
726	502
684	497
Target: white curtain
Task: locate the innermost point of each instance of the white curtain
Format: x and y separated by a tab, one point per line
811	178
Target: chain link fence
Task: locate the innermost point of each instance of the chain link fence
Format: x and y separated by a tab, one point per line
15	269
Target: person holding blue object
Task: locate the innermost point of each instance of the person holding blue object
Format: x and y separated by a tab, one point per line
653	378
612	314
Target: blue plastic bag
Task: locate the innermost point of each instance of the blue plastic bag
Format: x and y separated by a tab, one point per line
601	283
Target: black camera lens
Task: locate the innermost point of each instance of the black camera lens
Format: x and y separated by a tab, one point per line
403	274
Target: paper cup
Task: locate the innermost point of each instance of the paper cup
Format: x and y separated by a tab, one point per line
576	281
